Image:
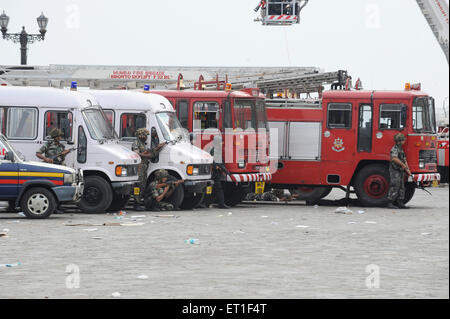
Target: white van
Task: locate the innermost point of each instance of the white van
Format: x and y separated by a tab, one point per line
128	111
28	114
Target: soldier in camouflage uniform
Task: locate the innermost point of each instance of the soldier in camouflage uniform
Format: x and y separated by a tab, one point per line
397	169
140	147
52	148
160	190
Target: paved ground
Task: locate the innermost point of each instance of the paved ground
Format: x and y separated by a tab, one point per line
265	251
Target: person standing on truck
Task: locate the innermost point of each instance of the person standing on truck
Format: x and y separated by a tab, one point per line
53	152
397	169
161	190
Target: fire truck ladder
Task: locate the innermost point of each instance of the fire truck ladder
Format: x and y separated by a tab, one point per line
277	12
436	14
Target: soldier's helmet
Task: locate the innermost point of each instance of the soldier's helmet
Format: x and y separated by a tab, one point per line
162	173
399	138
56	132
142	132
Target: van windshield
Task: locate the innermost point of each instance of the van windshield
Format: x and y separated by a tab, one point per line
170	126
98	125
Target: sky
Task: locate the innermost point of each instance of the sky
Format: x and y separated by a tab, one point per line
385	43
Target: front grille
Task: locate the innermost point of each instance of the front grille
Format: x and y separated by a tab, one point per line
204	169
428	156
132	170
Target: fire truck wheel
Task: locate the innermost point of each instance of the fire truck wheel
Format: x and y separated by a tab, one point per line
410	190
372	185
97	195
192	201
234	195
38	203
119	202
311	194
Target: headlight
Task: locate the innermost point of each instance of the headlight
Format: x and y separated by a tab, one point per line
192	170
121	171
421	164
69	178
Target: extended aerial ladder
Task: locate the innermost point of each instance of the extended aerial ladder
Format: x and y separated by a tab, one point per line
276	12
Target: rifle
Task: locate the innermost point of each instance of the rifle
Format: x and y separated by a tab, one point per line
59	158
170	183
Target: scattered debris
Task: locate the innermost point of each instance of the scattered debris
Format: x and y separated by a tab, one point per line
361	211
139	216
143	277
352	223
343	210
302	226
264	216
132	224
370	222
316	206
90	229
96	237
21	214
11	265
94	225
238	232
4	233
192	241
230	213
116	294
425	234
166	216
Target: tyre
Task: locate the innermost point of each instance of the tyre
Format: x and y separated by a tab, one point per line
97	195
176	199
192	200
311	194
38	203
410	190
372	185
119	202
234	195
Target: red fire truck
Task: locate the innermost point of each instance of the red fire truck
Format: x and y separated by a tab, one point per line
238	118
344	139
443	153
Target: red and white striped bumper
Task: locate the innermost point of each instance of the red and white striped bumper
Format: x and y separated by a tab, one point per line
424	177
283	17
244	178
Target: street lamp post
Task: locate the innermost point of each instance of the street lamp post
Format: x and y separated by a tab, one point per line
23	37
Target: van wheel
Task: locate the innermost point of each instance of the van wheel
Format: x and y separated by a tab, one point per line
176	199
372	185
410	190
97	195
119	202
38	203
192	201
311	194
234	195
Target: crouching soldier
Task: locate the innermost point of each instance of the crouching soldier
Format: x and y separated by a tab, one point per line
161	190
397	170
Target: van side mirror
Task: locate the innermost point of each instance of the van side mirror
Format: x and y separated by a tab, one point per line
9	156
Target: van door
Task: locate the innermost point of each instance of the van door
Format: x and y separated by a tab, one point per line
9	177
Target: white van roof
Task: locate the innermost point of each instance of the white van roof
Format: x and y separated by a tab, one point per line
44	97
132	100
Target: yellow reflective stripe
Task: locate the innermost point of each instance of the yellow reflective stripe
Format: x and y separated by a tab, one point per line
9	174
35	174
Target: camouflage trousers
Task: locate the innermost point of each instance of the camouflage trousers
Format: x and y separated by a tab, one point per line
163	206
397	186
142	183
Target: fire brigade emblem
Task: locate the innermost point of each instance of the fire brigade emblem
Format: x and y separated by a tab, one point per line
338	145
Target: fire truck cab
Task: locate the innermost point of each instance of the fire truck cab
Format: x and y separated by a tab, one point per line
233	122
344	140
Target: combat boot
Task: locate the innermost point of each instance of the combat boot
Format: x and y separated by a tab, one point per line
391	206
401	205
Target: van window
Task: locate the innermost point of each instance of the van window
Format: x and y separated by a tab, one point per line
2	120
82	146
130	123
110	116
339	115
206	115
61	120
22	123
391	117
